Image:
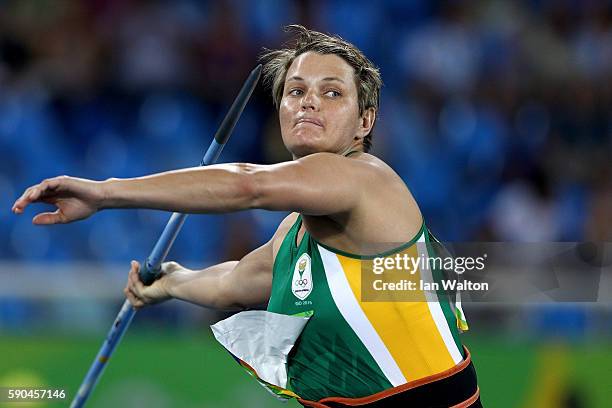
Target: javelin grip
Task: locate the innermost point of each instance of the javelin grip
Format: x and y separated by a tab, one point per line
148	273
152	266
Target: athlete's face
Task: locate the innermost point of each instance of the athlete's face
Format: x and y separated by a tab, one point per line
319	110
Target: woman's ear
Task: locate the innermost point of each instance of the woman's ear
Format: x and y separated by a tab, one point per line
366	122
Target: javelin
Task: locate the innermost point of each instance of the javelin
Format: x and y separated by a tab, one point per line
152	266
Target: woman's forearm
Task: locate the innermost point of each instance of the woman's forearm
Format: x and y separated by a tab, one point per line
201	287
211	189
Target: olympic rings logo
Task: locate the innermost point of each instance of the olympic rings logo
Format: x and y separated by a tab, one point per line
301	282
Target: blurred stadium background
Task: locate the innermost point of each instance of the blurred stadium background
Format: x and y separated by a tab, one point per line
495	113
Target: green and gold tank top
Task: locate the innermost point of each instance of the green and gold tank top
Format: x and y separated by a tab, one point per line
352	348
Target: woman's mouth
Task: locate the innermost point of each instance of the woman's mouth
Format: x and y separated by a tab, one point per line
309	121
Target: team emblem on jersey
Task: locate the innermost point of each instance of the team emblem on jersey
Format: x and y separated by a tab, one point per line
301	285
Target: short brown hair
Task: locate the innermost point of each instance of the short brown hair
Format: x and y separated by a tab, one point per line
367	75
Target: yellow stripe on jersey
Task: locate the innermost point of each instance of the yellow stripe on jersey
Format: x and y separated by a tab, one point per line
408	329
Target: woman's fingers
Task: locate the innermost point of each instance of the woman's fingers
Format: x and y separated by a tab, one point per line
130	291
34	193
138	293
137	303
135	277
23	201
135	285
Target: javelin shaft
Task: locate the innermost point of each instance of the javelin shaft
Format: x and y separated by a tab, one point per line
151	268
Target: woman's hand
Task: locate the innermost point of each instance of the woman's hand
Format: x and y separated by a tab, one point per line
140	295
75	199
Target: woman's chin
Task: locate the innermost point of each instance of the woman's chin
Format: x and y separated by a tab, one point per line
305	144
304	149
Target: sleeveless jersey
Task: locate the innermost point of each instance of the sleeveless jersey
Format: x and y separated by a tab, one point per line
351	348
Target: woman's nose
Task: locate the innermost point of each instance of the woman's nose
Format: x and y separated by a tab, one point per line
310	101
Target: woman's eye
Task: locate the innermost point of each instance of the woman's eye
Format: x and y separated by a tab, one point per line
295	92
333	94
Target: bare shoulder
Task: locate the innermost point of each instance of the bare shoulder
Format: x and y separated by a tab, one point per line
388	195
357	161
375	165
387	211
363	165
363	169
